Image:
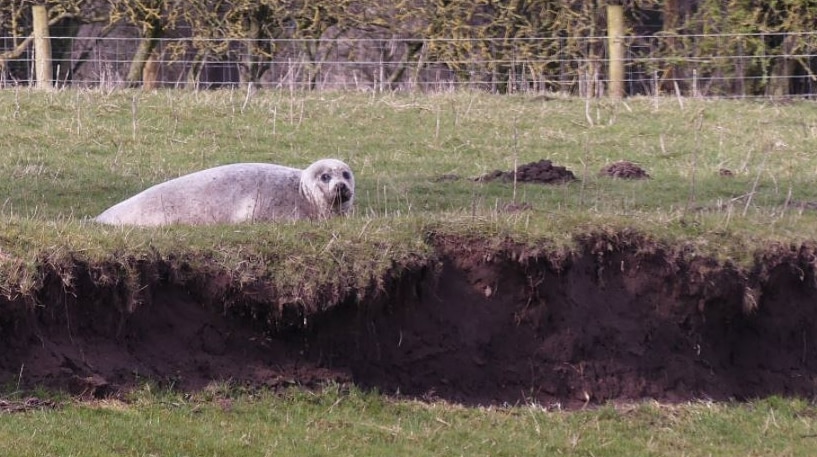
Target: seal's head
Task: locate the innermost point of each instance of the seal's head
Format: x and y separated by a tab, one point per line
330	186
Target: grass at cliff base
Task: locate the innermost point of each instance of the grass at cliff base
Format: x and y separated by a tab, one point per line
340	422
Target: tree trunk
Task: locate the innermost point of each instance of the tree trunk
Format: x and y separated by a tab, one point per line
143	52
783	69
672	20
672	15
150	72
251	70
196	67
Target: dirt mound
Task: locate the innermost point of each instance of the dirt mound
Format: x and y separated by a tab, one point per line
624	170
621	318
543	172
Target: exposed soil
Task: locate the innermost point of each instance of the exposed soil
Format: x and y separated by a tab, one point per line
624	169
622	318
542	172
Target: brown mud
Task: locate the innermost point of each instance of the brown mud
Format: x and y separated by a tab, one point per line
624	169
542	172
619	318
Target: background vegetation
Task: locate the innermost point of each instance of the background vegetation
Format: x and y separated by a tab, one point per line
742	47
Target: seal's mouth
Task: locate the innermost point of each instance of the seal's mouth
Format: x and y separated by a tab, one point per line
342	196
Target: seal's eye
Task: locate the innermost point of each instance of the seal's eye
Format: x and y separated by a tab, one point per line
325	177
347	175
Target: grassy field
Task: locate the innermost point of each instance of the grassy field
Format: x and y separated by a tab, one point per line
335	423
69	155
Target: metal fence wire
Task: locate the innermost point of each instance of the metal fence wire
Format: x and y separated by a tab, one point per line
724	65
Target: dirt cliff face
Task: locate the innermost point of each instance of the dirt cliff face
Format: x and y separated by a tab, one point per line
621	318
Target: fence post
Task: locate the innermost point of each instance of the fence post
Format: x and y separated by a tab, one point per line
42	47
615	43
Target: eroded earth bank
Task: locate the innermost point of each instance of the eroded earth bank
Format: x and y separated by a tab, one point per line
620	317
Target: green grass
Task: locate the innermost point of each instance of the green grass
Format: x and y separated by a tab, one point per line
68	155
336	423
72	154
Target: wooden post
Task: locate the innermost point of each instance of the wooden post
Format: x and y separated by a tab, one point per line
615	43
42	48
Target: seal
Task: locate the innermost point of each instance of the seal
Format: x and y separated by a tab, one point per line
241	192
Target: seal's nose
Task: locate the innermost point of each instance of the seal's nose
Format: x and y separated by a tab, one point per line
343	190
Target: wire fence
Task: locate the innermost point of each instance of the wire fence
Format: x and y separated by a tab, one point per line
727	65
